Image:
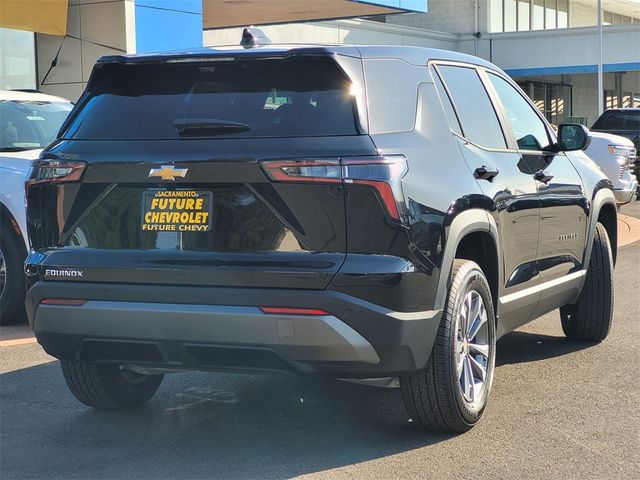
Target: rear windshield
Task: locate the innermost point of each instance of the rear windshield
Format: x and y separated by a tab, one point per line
297	96
619	121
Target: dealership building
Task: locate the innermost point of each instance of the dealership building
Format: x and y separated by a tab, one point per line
550	47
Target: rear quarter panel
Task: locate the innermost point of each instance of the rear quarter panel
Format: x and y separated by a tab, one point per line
13	173
438	177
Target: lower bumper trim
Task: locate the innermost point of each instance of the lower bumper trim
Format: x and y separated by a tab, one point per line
308	338
214	328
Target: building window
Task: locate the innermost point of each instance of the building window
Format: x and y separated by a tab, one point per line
611	18
563	14
553	100
525	15
550	14
524	9
628	99
537	22
496	16
510	15
17	59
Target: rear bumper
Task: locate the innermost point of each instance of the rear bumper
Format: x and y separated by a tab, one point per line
224	329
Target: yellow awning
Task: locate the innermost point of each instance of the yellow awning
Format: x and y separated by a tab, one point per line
42	16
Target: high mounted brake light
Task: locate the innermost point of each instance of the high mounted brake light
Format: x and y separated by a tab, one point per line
383	174
55	171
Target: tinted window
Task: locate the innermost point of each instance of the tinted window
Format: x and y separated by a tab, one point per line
446	103
298	96
528	128
392	92
479	121
30	125
620	121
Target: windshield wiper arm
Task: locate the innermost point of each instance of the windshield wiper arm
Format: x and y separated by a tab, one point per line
208	126
17	149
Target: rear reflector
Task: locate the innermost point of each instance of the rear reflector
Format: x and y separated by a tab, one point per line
69	302
293	311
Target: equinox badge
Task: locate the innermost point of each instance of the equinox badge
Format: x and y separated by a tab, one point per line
168	172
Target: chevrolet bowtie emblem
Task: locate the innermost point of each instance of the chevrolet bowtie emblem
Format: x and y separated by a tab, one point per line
168	172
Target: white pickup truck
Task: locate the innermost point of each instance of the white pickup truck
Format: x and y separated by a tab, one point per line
29	121
615	155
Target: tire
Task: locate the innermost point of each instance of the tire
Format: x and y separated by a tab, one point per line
12	285
434	397
590	318
109	387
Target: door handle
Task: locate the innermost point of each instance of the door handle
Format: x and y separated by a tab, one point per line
483	173
542	176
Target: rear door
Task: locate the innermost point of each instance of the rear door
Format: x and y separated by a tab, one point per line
162	175
507	180
564	208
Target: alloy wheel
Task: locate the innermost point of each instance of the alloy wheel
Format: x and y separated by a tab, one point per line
3	273
472	350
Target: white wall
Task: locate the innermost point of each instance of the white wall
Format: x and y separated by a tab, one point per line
447	16
94	28
339	32
582	14
554	48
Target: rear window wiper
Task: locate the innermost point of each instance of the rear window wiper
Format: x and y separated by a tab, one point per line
208	126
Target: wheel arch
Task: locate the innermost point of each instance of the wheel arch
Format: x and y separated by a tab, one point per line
603	210
608	217
12	222
473	235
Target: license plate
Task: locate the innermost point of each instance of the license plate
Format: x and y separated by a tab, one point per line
176	211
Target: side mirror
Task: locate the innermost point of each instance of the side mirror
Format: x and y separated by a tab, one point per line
573	136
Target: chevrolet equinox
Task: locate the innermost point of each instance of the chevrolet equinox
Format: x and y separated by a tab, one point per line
362	212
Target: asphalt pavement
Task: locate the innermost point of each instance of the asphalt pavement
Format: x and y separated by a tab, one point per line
558	410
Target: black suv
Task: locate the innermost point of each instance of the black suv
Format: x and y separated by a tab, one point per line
360	212
624	122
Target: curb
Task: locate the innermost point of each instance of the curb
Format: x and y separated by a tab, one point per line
628	230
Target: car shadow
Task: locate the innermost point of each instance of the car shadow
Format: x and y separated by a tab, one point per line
213	425
201	426
519	347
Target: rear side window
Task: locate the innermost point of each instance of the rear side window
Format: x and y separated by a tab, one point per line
392	92
297	96
479	120
446	103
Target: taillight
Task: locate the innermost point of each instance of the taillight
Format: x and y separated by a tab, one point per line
55	171
314	171
383	174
